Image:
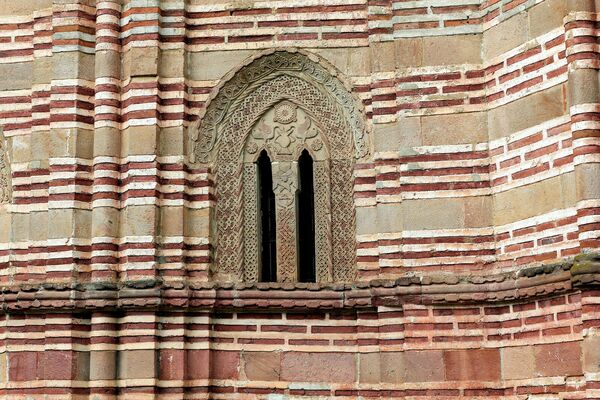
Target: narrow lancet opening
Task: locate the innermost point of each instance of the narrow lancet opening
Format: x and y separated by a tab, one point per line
268	269
306	220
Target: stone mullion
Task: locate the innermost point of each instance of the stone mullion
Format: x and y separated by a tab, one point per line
251	224
322	207
584	108
285	185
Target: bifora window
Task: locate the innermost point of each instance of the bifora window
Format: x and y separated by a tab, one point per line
282	135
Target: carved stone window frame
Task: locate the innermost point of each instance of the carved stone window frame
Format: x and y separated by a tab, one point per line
257	108
5	174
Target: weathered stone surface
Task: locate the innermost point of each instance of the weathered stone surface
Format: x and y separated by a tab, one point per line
318	367
224	364
137	364
560	359
518	362
472	365
262	366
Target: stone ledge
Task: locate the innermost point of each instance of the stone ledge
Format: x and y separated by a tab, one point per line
531	282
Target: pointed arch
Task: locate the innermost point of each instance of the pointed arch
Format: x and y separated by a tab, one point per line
244	116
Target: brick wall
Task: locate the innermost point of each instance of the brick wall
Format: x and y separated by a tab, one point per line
483	122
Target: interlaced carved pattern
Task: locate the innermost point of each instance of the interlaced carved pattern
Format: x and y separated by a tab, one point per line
5	184
322	221
232	115
251	225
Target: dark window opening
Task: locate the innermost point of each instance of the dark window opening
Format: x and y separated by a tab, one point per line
267	220
306	220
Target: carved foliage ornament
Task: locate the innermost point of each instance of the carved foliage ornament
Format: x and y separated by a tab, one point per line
5	185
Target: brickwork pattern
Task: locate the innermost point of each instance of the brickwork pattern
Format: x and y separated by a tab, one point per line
477	209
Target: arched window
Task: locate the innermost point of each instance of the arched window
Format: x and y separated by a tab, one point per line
289	111
268	256
306	219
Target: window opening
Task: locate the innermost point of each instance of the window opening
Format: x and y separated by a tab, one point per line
306	220
267	217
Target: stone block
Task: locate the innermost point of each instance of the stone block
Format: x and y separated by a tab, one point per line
526	112
107	142
137	364
138	220
138	140
172	364
3	367
390	217
16	76
583	86
354	61
197	222
197	364
213	65
409	52
528	201
424	366
452	49
472	365
11	7
140	61
103	365
73	64
366	220
171	63
369	368
108	64
318	367
558	359
546	16
392	367
105	223
505	36
24	366
478	211
261	365
433	213
171	221
403	134
518	362
452	129
590	348
224	364
383	56
65	365
172	141
39	225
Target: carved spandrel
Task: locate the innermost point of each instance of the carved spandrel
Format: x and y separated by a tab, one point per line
285	186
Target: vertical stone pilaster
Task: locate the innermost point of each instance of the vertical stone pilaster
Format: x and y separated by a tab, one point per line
107	142
104	339
584	108
285	186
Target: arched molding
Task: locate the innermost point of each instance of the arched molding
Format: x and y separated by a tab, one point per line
204	133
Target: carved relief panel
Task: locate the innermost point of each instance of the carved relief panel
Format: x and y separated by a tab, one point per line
282	102
284	132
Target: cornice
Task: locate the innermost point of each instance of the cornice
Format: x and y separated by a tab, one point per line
434	289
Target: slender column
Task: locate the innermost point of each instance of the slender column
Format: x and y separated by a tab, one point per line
107	142
584	108
285	185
